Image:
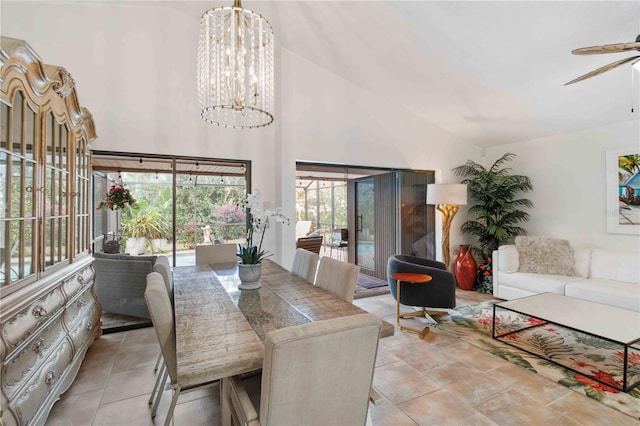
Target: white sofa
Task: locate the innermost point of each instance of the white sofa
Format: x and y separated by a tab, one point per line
604	276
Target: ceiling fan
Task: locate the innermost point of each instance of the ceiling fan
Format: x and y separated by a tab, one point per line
607	48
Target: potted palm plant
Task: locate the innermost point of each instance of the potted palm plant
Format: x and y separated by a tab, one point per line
143	228
496	208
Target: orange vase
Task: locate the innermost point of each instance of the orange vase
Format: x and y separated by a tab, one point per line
465	268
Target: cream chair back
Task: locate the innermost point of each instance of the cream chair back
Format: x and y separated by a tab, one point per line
216	253
162	318
337	277
330	384
163	267
305	264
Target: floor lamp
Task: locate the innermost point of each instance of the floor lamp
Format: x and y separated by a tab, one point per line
447	198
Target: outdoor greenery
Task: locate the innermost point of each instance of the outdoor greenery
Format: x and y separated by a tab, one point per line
496	207
319	208
200	201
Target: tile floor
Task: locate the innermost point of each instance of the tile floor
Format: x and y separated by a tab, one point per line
438	381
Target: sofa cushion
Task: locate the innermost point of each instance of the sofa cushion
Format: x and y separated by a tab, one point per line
581	261
609	292
544	255
536	283
508	260
615	265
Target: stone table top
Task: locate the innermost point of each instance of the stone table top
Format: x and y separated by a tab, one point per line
220	329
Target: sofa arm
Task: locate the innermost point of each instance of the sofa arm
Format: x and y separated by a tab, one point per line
505	259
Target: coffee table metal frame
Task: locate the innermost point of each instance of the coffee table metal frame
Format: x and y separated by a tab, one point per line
626	387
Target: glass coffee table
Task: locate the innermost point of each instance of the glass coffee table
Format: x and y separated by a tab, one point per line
600	342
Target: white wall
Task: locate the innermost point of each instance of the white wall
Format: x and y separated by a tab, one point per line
135	68
568	176
326	118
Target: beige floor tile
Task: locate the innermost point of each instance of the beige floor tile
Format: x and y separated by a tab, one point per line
587	411
387	414
420	355
513	408
134	356
385	357
74	410
399	382
141	336
201	411
442	408
91	377
474	356
104	349
398	338
467	383
129	384
459	393
538	387
129	412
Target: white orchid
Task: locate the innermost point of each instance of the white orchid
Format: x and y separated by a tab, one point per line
250	254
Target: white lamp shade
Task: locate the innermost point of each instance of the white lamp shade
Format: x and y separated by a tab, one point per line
452	194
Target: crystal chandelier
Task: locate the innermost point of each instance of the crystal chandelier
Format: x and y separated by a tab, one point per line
235	67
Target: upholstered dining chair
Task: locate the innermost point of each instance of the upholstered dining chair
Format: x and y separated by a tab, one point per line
216	253
162	267
161	313
305	264
337	277
309	376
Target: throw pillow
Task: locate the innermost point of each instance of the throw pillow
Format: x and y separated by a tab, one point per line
543	255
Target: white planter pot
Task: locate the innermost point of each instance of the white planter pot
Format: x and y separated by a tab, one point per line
249	276
159	244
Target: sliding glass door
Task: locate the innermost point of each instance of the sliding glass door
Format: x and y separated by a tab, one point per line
365	223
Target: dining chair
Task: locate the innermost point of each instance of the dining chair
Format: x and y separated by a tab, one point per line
337	277
318	373
305	264
161	313
216	253
162	267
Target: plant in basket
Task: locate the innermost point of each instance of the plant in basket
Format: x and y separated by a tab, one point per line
118	198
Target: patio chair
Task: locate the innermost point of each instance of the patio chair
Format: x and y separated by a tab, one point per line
313	244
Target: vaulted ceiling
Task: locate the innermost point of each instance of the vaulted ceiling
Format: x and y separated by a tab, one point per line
490	72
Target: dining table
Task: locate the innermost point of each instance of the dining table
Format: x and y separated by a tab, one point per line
220	329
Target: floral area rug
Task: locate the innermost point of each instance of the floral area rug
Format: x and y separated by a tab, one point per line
593	357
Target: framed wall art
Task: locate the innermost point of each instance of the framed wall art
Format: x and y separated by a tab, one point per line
623	191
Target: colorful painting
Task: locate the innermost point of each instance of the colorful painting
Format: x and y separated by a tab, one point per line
623	191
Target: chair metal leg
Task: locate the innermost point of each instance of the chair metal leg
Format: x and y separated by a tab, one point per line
159	385
157	362
160	391
174	400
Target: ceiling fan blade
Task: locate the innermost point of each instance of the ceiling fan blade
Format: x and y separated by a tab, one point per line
607	48
604	69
